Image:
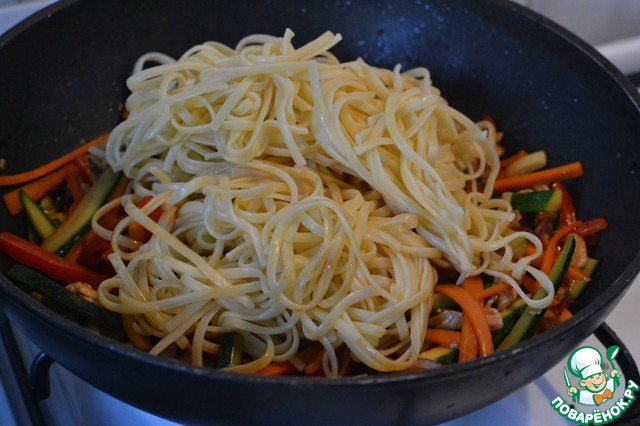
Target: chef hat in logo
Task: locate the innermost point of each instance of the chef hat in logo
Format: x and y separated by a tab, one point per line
585	362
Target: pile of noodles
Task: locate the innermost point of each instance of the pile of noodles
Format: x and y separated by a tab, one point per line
303	199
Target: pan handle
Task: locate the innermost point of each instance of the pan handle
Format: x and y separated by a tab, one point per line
627	365
15	378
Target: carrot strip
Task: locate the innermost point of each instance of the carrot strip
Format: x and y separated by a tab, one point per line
76	250
468	343
85	244
474	286
554	317
548	321
572	272
473	311
84	170
532	286
309	354
315	364
504	163
72	179
53	165
550	251
443	337
312	357
493	290
137	232
36	190
110	218
544	239
469	340
565	315
277	369
529	250
566	171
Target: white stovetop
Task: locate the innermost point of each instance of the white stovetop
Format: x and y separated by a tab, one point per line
75	402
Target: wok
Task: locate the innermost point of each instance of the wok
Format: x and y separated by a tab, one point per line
63	72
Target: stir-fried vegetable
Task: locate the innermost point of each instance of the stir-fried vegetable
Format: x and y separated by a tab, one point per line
52	167
79	219
466	321
67	300
528	180
56	267
530	319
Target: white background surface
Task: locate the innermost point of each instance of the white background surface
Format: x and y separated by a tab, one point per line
75	402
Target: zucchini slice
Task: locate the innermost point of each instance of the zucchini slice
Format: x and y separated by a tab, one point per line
440	354
31	280
530	319
577	286
537	201
518	245
38	219
509	318
230	352
65	236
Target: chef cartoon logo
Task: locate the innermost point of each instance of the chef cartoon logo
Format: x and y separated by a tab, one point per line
593	388
585	363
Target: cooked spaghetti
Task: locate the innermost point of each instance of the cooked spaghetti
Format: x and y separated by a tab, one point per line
302	199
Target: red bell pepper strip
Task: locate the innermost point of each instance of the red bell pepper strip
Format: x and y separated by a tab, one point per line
559	307
154	215
137	231
55	267
567	212
590	227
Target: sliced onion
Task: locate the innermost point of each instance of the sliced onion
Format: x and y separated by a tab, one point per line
529	163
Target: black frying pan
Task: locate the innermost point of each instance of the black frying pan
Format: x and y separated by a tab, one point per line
63	74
